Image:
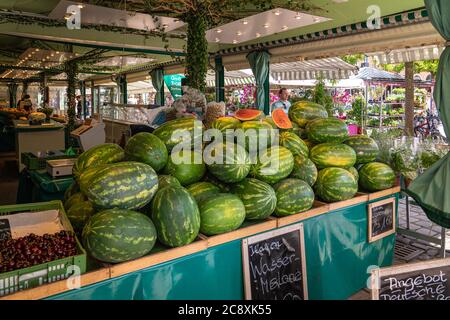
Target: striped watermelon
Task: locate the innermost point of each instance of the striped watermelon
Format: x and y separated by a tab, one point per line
147	148
255	135
354	172
73	188
270	121
224	188
102	154
222	213
225	123
304	169
124	185
333	155
366	148
187	130
330	130
335	184
79	214
74	199
229	163
304	111
202	190
292	142
274	164
118	235
176	216
165	180
293	196
258	197
376	176
187	166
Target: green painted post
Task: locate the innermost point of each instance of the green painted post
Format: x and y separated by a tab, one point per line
220	79
83	98
123	90
92	97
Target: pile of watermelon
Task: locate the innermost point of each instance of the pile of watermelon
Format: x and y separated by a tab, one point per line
125	200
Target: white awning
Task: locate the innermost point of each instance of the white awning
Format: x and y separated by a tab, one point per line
329	68
232	78
408	55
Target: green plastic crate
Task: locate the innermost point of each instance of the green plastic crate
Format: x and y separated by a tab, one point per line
34	163
37	275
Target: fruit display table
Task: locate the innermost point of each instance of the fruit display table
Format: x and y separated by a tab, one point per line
38	138
338	255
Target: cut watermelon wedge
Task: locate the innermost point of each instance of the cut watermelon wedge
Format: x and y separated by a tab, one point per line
281	119
247	114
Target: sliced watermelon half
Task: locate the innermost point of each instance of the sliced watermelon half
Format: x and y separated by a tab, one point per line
247	114
281	119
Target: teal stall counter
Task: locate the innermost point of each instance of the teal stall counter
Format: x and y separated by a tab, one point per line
338	261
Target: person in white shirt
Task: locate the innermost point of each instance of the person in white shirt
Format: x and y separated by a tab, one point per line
283	103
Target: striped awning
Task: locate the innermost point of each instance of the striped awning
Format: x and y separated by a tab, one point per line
232	78
408	55
329	68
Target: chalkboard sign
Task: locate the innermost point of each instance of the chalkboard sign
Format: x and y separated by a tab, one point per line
275	265
381	219
428	280
5	230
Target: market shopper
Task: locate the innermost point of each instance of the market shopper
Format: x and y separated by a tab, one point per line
25	103
79	106
283	103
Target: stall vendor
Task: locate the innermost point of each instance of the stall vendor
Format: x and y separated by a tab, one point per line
283	103
25	103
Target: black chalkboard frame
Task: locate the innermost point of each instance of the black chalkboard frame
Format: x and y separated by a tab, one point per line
267	235
378	274
370	207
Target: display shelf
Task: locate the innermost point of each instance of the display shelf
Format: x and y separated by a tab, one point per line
160	256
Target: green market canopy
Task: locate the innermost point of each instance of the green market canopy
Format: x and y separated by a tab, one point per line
430	189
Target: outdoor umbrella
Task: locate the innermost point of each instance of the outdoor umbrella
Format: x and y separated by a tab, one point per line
431	189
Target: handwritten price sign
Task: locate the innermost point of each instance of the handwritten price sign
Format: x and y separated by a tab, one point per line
421	281
275	265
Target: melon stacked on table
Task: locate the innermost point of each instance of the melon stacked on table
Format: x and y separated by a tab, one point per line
126	199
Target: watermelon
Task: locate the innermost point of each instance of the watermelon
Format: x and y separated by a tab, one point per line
333	155
147	148
79	214
376	176
354	172
203	190
124	185
176	216
225	123
366	148
309	143
229	163
281	120
118	235
304	169
256	135
74	199
330	130
224	188
269	120
293	196
187	166
292	142
71	190
222	213
335	184
184	130
247	114
274	164
102	154
304	111
166	180
258	197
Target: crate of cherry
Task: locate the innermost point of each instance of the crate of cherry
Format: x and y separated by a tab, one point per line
37	246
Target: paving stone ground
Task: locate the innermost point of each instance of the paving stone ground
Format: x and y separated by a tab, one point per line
421	224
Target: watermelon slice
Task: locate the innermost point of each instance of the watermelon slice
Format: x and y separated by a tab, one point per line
281	119
247	114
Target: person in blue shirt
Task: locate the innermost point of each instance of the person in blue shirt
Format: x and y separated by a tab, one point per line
283	103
